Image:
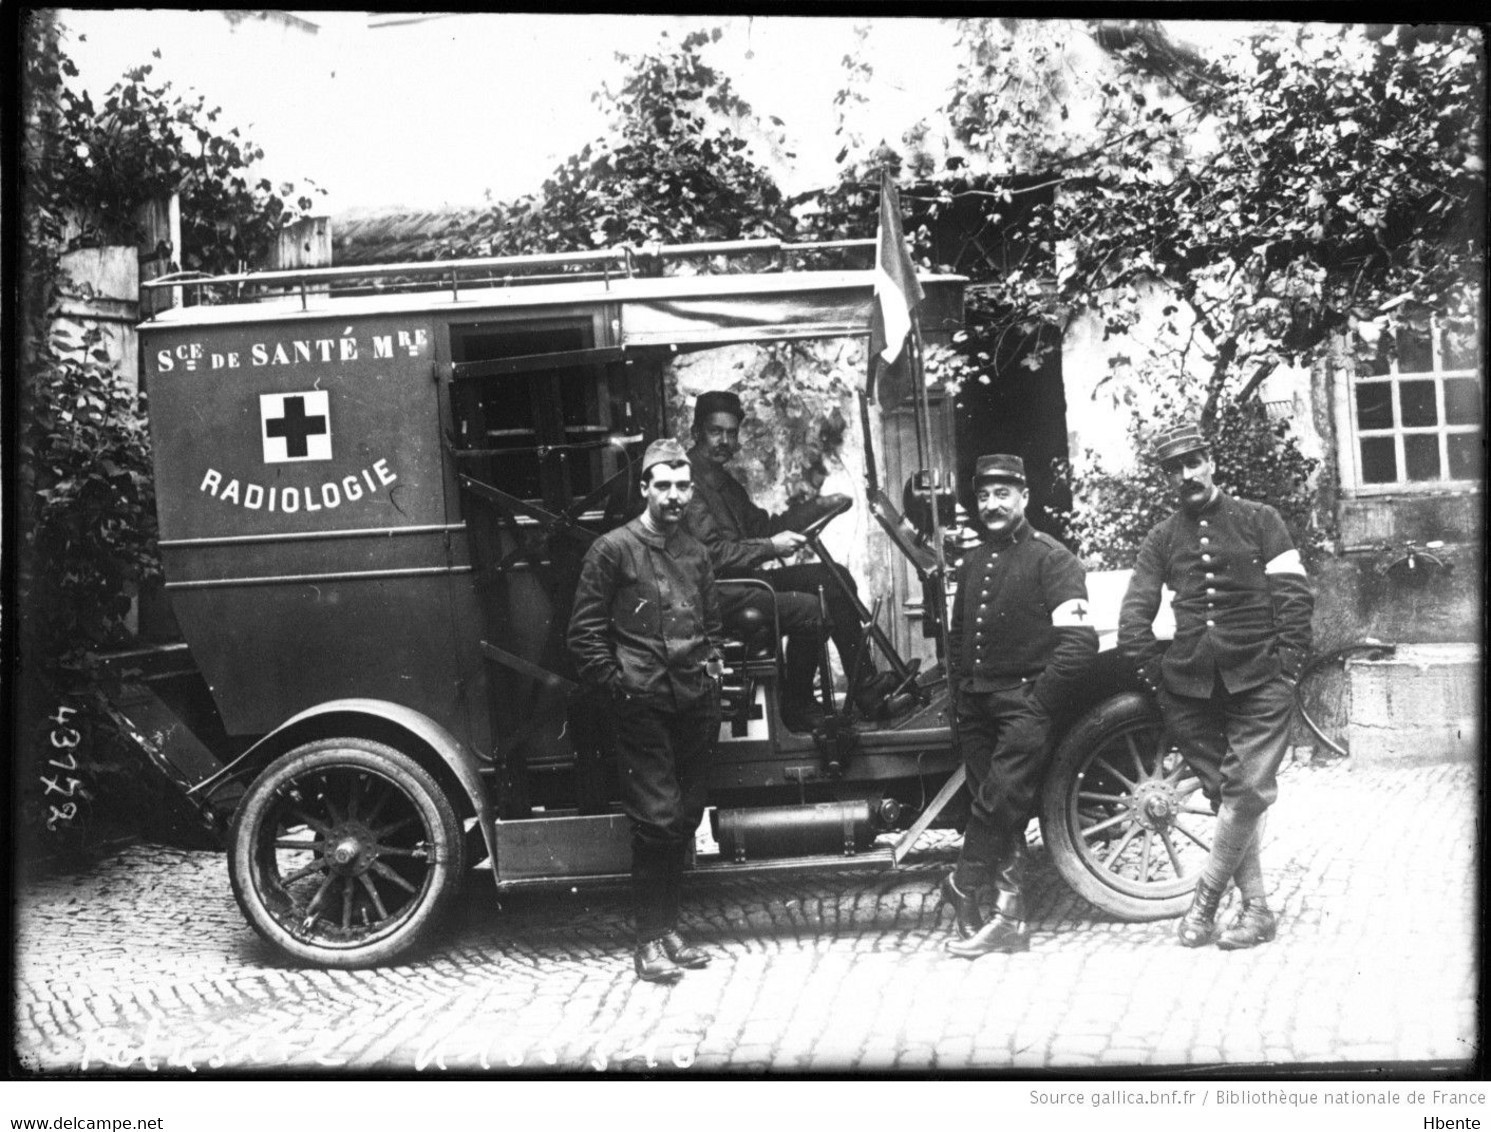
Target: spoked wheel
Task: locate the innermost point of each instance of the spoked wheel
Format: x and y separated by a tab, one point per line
1324	694
1124	817
345	853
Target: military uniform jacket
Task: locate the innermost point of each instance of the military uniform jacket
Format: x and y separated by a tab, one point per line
722	516
646	615
1021	616
1242	601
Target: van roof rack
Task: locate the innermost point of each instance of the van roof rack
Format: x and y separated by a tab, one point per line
495	271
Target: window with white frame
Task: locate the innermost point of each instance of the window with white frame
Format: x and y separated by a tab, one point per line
1416	405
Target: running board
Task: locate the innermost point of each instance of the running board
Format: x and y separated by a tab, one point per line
875	860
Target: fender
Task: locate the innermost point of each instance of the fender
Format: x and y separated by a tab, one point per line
451	751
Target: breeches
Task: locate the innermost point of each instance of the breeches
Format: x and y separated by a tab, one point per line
843	617
662	756
1005	739
1234	741
662	763
797	614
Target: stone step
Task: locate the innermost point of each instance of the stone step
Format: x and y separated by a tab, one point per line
1422	705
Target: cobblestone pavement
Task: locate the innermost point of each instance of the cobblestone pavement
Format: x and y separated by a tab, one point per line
144	961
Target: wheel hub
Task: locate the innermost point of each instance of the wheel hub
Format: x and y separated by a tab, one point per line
351	849
1155	805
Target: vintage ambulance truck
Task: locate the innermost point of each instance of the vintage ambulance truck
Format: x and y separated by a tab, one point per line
375	489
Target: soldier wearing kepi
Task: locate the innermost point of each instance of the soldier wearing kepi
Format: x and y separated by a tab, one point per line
646	629
1021	637
1226	685
742	538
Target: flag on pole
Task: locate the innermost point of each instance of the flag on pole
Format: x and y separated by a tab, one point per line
897	293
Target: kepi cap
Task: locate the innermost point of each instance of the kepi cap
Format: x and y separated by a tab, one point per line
999	466
718	401
665	451
1178	441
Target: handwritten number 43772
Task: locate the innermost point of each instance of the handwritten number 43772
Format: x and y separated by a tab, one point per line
64	740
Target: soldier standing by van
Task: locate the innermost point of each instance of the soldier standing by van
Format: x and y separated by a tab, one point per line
1226	684
646	629
1021	637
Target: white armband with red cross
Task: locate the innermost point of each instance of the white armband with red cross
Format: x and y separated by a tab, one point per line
1072	614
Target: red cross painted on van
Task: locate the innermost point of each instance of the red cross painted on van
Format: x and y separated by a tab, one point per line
295	426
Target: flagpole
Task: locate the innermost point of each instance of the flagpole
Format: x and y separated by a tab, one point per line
893	261
939	551
938	589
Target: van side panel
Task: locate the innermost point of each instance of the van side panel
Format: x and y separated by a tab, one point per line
301	493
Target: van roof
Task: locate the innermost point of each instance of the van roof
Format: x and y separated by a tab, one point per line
676	309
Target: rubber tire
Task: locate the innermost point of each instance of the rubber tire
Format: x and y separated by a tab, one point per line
412	926
1087	735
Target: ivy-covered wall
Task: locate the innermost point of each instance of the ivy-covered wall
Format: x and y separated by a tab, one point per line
802	408
800	411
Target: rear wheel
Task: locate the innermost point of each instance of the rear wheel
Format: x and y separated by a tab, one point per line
1123	816
345	853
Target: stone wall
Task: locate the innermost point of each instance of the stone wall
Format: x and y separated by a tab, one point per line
101	289
1424	704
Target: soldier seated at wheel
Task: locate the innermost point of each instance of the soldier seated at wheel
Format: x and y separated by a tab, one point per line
743	539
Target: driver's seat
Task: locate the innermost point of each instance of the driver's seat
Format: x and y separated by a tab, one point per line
752	643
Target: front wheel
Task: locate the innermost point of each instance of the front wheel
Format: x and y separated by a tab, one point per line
345	853
1123	816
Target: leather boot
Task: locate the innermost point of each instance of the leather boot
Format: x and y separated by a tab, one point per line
872	692
967	919
1255	924
1008	930
684	953
803	715
654	965
1199	924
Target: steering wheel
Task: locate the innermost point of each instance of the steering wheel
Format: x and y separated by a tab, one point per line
840	504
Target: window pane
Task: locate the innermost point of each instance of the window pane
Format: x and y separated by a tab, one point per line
1421	453
1462	400
1414	353
1417	401
1379	461
1467	455
1374	404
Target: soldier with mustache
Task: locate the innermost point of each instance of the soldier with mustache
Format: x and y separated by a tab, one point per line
1021	636
646	629
1226	685
743	538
